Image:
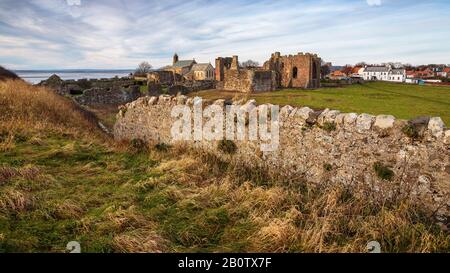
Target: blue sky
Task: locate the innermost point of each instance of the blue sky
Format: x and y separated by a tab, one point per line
107	34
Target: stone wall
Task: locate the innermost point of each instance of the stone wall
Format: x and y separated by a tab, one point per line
323	146
99	95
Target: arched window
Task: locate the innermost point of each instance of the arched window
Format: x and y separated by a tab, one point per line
295	73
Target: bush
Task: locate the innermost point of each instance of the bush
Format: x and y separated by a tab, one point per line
383	171
328	167
329	126
411	131
227	146
162	147
138	145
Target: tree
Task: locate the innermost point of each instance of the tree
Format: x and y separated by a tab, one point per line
250	64
325	70
143	69
347	70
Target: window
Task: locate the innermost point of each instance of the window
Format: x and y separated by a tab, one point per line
295	73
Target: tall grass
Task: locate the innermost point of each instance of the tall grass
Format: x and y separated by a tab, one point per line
28	108
61	180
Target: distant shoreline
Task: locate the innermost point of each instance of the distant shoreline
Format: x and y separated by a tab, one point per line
36	76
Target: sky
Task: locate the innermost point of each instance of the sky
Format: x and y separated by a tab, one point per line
118	34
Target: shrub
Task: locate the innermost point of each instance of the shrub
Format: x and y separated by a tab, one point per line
411	131
329	126
227	146
162	147
138	145
328	167
384	172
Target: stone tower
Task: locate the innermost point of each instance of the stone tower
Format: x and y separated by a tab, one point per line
175	58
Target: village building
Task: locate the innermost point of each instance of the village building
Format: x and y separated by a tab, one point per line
397	75
445	73
180	67
357	72
201	72
376	73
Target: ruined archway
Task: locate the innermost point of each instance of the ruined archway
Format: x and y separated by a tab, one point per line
295	73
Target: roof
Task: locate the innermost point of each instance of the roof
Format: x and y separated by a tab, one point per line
398	71
356	69
184	63
447	70
200	67
376	69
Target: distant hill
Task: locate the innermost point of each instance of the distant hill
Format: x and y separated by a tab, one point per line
5	74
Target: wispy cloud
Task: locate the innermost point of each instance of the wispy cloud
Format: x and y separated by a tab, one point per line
120	34
374	2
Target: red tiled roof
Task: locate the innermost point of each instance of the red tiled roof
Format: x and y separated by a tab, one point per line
356	69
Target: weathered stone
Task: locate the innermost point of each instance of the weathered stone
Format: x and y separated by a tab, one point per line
153	101
339	120
331	115
364	122
286	111
249	106
220	102
181	100
436	126
304	113
350	120
322	116
384	122
447	137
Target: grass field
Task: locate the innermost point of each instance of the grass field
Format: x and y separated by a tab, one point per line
62	179
401	100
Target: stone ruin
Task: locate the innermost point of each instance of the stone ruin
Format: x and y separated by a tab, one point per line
95	91
231	77
171	83
293	71
324	146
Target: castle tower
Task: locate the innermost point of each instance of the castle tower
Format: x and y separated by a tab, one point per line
175	58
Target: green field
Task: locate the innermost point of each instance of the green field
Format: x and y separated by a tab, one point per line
401	100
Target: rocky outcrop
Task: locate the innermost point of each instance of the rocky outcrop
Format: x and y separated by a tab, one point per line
7	75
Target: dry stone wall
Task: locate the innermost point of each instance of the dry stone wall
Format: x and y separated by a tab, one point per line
322	146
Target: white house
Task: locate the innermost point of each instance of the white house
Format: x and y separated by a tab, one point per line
397	75
376	73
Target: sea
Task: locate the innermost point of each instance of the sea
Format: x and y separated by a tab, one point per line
36	76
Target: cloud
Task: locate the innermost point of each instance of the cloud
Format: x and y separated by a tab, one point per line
120	34
73	2
374	2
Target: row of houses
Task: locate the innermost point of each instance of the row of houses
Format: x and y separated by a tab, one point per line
390	74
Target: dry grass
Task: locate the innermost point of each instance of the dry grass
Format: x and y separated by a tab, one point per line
139	241
30	109
13	201
62	179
